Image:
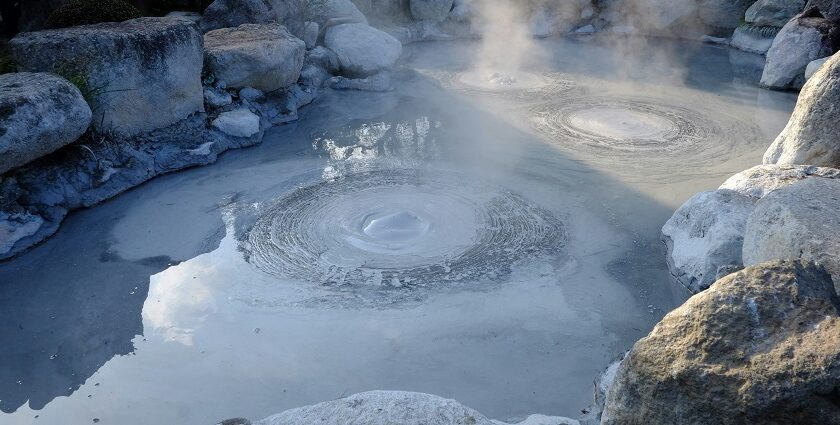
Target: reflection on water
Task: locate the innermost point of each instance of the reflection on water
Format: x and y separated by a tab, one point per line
145	308
405	142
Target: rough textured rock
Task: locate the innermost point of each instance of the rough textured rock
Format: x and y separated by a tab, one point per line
813	67
233	13
39	113
265	56
394	407
140	75
774	13
761	346
829	8
802	40
433	10
798	221
724	14
325	11
216	98
812	137
361	49
238	123
749	39
760	180
705	236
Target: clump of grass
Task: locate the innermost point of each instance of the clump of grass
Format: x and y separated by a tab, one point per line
86	12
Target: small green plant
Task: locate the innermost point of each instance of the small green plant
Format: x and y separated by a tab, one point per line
86	12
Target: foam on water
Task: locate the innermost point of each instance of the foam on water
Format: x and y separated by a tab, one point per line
399	227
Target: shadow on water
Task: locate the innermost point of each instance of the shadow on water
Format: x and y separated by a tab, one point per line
72	310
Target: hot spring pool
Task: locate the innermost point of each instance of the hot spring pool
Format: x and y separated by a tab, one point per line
496	245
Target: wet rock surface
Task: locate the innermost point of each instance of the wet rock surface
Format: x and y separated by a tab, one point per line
760	346
141	75
395	407
39	113
798	221
266	57
811	136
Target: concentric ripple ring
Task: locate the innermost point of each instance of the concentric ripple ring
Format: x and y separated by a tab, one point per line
400	228
641	137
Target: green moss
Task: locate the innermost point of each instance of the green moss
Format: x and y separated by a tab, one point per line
85	12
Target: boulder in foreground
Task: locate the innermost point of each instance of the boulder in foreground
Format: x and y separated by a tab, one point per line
761	346
39	113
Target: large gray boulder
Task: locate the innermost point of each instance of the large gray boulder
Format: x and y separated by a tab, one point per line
139	75
266	57
432	10
326	11
773	13
394	407
798	221
361	49
723	14
760	180
233	13
761	346
811	136
705	237
802	40
39	113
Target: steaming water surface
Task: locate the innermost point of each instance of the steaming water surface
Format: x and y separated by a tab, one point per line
490	240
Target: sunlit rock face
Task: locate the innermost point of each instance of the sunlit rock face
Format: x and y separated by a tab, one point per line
760	346
798	221
400	228
157	60
811	136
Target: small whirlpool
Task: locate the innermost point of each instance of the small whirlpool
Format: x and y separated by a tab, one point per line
642	133
395	228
